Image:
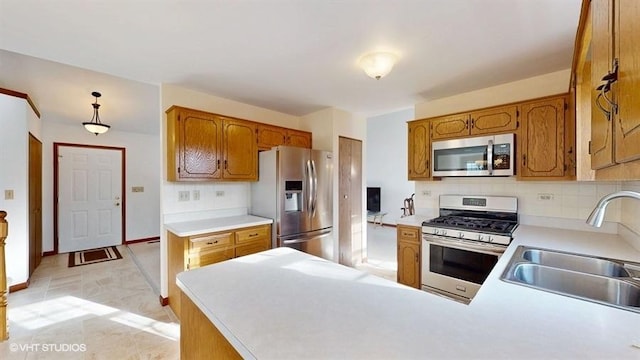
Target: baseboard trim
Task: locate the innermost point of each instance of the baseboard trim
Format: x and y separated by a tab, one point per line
18	287
49	253
164	301
142	240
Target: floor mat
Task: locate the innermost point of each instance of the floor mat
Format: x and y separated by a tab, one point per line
93	256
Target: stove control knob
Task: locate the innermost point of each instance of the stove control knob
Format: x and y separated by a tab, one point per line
461	235
435	231
443	232
480	237
489	238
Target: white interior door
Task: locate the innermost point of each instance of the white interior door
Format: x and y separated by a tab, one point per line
89	198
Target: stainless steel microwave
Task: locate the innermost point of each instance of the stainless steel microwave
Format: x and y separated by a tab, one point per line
475	156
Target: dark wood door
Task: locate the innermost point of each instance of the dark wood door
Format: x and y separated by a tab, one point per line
35	203
350	201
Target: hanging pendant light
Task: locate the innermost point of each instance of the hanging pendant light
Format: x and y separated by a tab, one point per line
95	126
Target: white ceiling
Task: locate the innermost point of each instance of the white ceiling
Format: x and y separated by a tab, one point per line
292	56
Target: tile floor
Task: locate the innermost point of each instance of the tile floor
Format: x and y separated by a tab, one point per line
106	309
147	256
381	252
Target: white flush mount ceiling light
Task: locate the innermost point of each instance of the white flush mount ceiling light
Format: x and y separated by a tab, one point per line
378	64
95	125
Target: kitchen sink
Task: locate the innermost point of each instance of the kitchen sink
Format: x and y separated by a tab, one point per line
605	281
581	263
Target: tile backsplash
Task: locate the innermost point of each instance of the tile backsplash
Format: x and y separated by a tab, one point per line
559	199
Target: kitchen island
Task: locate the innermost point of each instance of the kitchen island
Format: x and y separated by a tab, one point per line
296	306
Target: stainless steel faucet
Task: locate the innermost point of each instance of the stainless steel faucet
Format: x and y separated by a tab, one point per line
597	215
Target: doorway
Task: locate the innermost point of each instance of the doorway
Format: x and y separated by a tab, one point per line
350	201
89	202
35	203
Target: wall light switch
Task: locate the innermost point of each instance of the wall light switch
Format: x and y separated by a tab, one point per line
8	194
219	193
426	192
196	194
137	189
183	196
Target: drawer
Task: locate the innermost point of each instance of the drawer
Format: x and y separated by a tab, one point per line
409	233
253	248
209	242
247	236
209	257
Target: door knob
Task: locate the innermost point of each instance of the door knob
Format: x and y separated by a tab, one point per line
345	196
118	204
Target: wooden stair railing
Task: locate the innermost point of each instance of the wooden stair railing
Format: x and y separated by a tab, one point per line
4	231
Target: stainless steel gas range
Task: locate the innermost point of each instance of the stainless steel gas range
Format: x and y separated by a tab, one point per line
463	244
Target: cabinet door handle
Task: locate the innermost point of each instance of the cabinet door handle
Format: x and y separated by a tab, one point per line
225	164
218	164
472	122
417	258
466	124
252	235
524	159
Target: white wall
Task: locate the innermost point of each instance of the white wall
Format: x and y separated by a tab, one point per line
16	120
236	199
142	169
387	161
538	86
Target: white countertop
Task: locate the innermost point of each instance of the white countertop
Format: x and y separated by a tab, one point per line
190	228
413	220
292	305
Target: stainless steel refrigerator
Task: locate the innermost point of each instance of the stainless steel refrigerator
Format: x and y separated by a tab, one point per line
295	190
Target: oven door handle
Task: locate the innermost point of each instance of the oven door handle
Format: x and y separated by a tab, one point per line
465	245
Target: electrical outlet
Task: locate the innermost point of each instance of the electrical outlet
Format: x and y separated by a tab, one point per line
8	194
545	197
426	192
137	189
219	193
183	196
196	194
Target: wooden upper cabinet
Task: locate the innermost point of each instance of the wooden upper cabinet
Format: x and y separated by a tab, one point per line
239	150
486	121
450	126
299	138
601	61
203	147
626	90
418	152
494	120
270	136
194	145
541	139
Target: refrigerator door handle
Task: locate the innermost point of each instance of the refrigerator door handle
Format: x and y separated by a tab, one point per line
314	204
306	239
309	176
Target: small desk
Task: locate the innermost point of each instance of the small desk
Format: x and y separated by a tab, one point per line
377	217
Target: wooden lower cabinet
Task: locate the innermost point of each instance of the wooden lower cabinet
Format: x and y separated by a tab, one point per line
409	254
191	252
199	338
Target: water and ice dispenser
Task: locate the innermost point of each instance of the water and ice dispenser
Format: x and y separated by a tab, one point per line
293	196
